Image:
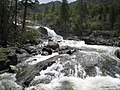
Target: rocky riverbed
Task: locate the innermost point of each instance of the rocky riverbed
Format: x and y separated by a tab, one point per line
60	65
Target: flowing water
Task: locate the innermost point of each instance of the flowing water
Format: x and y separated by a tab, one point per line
91	67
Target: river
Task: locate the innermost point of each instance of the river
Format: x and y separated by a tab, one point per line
91	67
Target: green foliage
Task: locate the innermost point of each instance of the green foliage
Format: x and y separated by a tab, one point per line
64	12
96	25
3	53
30	35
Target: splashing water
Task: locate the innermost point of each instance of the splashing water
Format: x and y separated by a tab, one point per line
69	74
52	34
69	71
7	82
74	83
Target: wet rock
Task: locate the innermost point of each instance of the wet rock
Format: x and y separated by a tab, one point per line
20	51
13	58
53	45
13	69
66	50
73	38
117	53
46	51
70	52
32	50
27	74
4	64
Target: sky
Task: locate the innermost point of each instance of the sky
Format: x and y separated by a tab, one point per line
46	1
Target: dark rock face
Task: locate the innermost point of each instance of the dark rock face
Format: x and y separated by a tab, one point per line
73	38
117	53
101	38
4	65
32	50
20	51
27	74
13	69
53	45
46	51
13	59
66	50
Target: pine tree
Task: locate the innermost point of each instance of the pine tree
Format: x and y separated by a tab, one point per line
4	21
53	7
82	14
64	13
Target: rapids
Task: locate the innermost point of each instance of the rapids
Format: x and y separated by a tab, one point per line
56	77
91	67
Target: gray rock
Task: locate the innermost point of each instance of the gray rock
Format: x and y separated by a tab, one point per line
117	53
46	51
53	45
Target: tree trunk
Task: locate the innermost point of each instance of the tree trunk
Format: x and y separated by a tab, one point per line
24	16
15	32
15	15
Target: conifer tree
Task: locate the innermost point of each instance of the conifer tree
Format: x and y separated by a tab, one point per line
64	13
4	21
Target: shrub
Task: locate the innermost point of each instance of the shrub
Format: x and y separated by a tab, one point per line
30	35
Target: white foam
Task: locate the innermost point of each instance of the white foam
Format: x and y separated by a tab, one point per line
7	82
98	71
89	83
38	58
52	34
72	43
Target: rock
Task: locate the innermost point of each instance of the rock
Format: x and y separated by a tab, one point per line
30	49
20	51
117	53
66	50
53	45
70	52
4	65
46	51
73	38
27	74
13	58
13	69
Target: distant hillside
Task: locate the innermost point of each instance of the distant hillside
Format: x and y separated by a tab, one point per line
40	8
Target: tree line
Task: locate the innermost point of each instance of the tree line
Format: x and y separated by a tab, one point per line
85	15
10	11
78	18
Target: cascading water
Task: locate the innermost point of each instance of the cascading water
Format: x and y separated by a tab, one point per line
52	34
91	67
83	71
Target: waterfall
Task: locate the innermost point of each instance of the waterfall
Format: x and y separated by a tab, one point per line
52	34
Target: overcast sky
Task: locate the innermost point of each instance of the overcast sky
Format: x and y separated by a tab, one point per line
46	1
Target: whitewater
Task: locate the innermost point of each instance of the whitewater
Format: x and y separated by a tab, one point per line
69	71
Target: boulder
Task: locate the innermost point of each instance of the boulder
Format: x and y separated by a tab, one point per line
73	38
20	51
46	51
13	69
13	58
30	49
66	50
4	64
53	45
117	53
